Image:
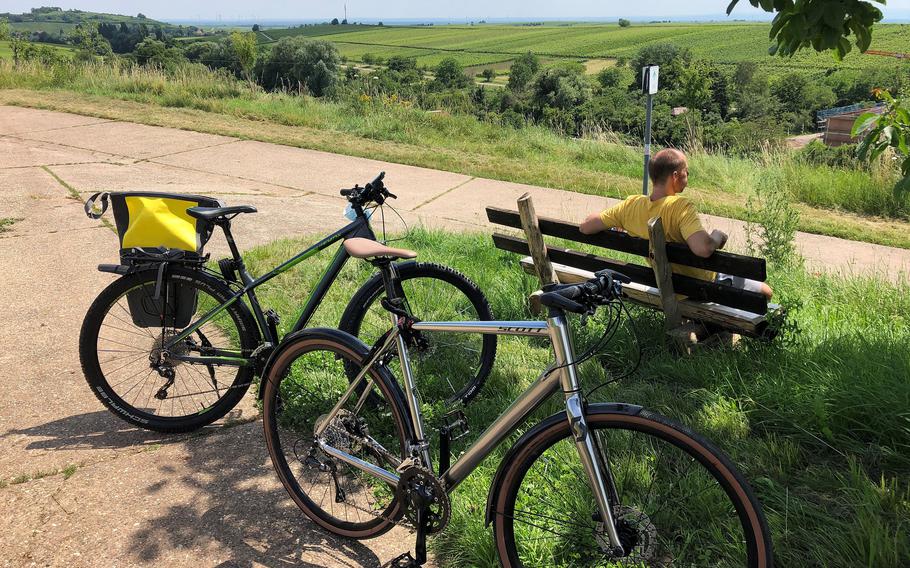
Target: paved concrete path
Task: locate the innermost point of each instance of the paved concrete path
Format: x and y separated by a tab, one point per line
135	498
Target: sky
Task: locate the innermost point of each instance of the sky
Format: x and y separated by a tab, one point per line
408	9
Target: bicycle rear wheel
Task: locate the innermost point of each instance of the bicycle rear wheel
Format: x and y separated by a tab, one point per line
116	347
681	501
450	366
303	385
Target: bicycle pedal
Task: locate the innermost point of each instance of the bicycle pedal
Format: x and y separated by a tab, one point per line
456	425
404	561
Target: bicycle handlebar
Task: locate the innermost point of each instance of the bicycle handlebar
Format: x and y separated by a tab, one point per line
373	192
585	297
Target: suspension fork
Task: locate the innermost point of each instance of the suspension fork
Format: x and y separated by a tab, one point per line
597	471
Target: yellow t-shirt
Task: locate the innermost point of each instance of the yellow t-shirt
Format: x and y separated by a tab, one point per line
680	220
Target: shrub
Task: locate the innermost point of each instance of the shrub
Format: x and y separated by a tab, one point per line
773	222
450	74
296	61
522	71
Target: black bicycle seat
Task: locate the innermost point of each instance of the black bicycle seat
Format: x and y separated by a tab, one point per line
214	213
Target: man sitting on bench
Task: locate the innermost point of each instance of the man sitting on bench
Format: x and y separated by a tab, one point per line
669	172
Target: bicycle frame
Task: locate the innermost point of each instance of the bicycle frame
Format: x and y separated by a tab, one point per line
563	375
360	227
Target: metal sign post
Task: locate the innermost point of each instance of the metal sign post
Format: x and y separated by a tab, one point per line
649	78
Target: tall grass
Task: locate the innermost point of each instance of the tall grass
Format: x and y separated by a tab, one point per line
596	163
819	420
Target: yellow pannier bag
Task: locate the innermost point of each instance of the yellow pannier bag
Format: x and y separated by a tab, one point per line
155	229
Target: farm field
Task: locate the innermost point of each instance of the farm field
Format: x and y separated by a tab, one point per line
472	45
6	52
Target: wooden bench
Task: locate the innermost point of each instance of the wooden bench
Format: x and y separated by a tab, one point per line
714	306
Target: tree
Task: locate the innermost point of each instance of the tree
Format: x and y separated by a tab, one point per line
673	60
450	74
156	53
4	29
624	23
609	77
522	71
820	24
488	75
402	64
141	16
344	22
90	43
256	27
563	87
245	49
334	21
296	62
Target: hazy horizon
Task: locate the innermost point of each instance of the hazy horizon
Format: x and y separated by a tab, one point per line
234	11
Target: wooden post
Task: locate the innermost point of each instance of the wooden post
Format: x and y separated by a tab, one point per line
663	273
535	241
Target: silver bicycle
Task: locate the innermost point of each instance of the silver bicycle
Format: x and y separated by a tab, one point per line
608	484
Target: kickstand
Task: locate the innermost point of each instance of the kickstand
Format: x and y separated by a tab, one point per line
420	548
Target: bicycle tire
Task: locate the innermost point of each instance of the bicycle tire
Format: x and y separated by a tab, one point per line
452	366
199	405
650	534
305	380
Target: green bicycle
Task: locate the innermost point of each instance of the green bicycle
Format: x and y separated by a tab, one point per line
172	346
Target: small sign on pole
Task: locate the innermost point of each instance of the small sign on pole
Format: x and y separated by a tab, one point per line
649	81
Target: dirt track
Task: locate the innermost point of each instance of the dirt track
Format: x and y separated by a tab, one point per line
137	499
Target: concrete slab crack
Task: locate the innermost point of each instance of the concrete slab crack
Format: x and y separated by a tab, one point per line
446	192
149	159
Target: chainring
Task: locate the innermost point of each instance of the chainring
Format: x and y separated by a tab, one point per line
415	479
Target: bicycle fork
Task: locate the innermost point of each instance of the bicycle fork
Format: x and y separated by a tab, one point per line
596	469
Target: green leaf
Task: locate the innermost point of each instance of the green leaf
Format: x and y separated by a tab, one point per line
863	122
887	135
903	115
776	24
767	5
732	5
834	15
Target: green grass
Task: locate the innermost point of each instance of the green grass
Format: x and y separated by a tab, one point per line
818	421
6	223
856	205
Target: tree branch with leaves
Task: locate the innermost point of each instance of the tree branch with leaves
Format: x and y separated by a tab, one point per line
820	24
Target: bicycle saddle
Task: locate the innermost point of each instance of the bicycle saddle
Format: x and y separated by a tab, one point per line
365	248
213	213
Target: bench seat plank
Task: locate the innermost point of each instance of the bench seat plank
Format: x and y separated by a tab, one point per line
726	317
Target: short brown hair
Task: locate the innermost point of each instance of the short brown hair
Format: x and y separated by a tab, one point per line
664	163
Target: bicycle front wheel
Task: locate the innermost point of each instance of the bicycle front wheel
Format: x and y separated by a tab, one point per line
681	502
303	385
450	366
117	344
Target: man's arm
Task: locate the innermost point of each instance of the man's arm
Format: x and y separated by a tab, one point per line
593	223
702	244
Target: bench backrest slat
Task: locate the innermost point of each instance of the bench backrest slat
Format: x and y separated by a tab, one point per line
720	261
694	288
